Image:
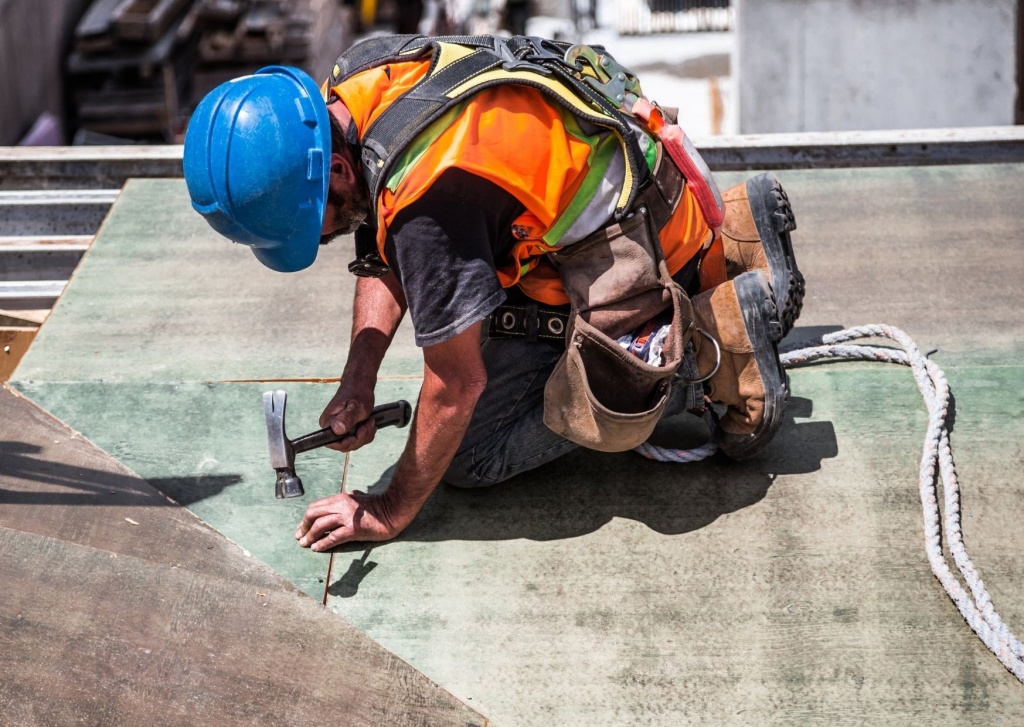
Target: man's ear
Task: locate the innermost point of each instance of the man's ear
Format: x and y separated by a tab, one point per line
341	169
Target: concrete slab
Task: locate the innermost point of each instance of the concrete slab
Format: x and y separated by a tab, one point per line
607	589
122	608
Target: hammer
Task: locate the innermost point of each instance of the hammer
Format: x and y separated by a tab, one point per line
283	450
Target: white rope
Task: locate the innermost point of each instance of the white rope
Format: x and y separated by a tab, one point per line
937	465
681	456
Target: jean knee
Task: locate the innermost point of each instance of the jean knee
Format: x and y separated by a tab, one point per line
464	473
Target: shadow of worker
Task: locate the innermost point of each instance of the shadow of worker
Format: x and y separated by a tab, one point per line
29	476
584	490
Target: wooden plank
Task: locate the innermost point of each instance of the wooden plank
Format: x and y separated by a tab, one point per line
22	318
146	20
14	342
104	621
97	637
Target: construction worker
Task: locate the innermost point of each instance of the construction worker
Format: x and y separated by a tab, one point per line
510	208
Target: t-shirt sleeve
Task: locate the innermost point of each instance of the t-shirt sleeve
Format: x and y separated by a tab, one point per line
443	248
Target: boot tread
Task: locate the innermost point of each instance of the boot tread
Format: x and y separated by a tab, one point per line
774	219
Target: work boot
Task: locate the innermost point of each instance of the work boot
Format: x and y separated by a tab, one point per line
742	317
755	235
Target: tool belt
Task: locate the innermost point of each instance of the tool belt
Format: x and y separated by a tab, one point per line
599	395
529	322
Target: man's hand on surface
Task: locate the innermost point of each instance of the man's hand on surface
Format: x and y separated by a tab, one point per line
347	411
453	378
347	516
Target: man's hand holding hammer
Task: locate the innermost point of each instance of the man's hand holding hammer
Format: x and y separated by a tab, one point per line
453	378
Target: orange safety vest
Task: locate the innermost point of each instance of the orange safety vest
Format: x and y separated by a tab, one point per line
514	137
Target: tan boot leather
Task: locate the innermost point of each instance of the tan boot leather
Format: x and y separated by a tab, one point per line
755	236
741	315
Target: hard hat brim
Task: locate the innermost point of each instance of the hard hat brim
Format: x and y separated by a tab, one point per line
287	258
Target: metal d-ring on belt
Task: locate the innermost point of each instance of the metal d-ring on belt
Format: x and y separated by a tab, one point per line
530	322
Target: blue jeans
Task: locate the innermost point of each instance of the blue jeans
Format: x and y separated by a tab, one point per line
507	434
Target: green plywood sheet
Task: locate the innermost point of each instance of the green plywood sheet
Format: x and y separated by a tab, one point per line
161	297
205	446
606	589
932	250
119	607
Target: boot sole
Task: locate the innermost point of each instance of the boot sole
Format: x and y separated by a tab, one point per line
774	219
765	330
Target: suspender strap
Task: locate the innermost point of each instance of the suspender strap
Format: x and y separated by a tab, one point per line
414	112
393	49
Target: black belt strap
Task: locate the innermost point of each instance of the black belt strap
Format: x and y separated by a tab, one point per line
531	322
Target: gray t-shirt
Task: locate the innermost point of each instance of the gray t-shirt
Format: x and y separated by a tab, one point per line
443	249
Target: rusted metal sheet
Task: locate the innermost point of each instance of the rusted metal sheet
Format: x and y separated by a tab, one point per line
85	167
55	212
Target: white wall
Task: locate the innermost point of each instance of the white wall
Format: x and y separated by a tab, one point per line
841	65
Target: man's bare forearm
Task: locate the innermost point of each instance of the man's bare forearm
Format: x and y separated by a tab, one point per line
447	399
377	311
453	379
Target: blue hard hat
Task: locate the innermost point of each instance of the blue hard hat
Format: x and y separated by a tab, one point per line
257	164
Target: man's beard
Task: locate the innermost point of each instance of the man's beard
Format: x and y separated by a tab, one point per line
352	210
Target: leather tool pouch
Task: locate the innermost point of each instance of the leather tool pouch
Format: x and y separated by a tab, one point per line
599	395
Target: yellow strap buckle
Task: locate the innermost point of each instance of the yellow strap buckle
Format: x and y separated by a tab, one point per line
605	75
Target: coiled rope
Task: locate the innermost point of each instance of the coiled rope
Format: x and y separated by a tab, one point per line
664	454
937	465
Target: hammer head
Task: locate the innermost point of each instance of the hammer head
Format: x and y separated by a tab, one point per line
282	454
